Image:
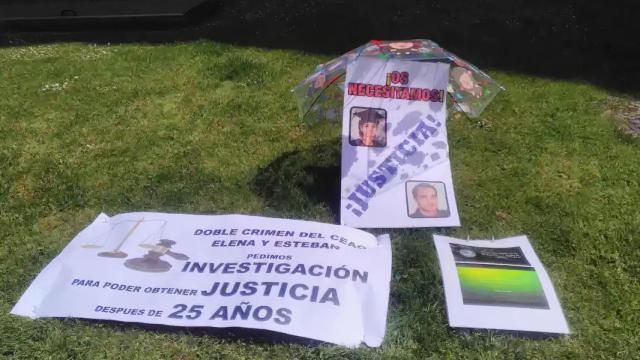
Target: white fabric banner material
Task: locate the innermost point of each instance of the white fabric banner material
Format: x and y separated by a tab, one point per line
498	284
320	281
395	155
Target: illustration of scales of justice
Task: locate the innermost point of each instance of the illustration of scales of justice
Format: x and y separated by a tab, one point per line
150	231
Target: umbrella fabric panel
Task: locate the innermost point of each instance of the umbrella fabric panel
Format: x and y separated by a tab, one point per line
319	96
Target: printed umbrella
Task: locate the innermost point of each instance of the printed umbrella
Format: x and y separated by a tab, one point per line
320	95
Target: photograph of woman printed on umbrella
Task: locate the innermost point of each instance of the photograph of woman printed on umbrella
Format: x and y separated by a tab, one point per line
368	127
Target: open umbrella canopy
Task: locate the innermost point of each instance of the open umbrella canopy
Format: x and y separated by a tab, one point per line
320	95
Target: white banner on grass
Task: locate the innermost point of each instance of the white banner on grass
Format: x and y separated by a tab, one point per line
320	281
498	284
395	155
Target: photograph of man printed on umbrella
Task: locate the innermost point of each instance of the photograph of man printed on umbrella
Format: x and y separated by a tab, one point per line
427	199
368	127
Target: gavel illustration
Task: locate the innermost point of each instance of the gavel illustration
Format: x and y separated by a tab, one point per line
151	261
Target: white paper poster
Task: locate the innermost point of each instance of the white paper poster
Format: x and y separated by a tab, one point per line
498	284
395	156
320	281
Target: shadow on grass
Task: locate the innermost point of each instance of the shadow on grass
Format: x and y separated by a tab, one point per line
269	337
511	333
299	179
588	41
257	336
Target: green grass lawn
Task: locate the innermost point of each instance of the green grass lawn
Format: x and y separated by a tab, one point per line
211	128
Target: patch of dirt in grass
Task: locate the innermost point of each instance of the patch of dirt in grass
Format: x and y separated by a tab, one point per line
625	112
